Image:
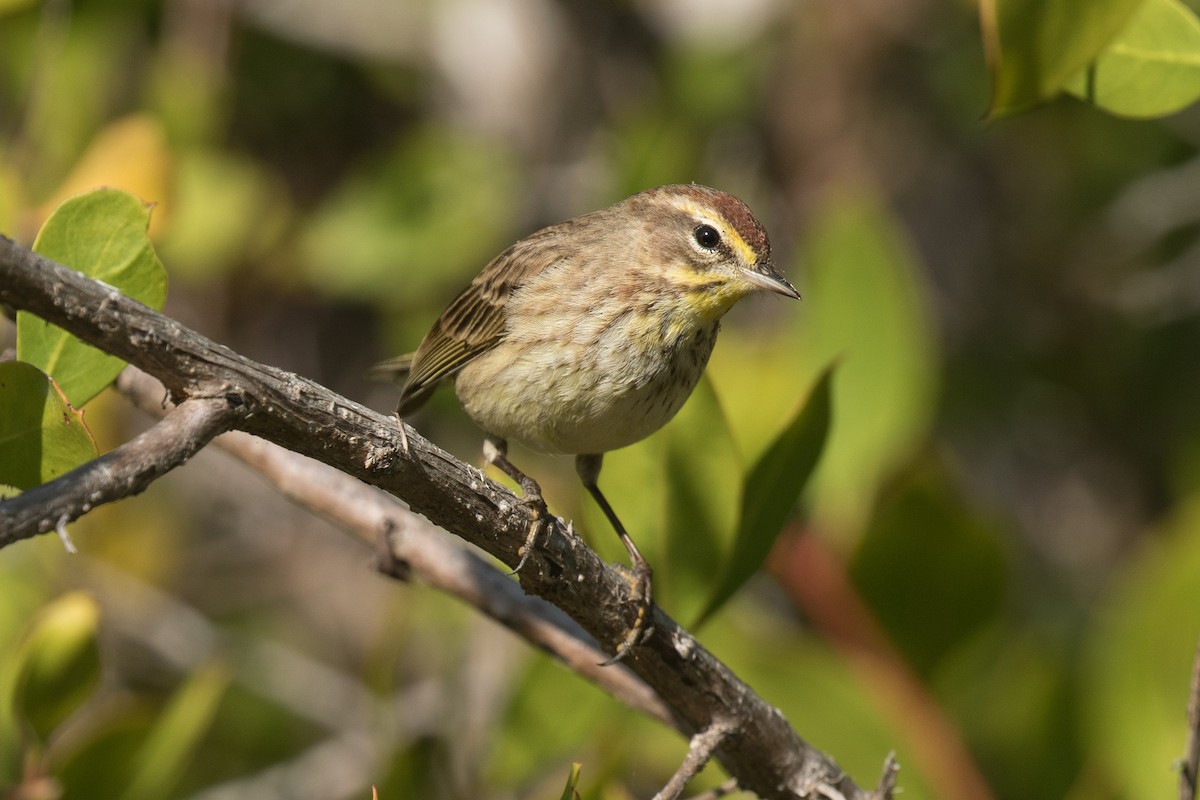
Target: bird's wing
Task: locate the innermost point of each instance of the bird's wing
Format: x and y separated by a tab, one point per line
474	321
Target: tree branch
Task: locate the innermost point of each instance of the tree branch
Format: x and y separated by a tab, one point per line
429	553
120	473
764	754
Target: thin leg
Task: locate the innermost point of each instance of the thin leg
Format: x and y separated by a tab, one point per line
588	467
495	452
403	433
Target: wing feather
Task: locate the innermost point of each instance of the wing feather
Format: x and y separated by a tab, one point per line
474	321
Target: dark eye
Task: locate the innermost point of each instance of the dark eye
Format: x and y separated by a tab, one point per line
707	237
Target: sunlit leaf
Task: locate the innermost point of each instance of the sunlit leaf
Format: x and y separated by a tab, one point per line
1140	660
41	436
103	235
58	663
771	489
1035	46
1151	68
570	791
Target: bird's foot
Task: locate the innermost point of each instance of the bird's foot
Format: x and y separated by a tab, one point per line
532	497
643	604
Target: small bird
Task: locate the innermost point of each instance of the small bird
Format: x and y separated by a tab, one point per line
588	336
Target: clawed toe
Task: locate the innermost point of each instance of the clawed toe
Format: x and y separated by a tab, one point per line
643	603
541	513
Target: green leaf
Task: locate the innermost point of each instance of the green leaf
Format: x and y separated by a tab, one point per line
102	234
41	436
414	222
909	566
1139	661
1035	46
771	489
570	791
172	743
1151	68
58	663
703	482
865	308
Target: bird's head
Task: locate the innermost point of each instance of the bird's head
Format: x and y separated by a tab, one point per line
707	244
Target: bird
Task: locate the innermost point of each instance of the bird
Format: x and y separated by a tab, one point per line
588	336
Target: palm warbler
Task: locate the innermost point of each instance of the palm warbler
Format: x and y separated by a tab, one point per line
589	335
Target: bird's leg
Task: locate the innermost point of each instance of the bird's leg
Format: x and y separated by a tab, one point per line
588	467
403	433
495	452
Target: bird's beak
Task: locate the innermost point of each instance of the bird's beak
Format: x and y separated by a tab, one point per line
765	276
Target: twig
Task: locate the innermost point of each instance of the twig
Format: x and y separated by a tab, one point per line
887	780
700	750
119	473
767	756
1191	759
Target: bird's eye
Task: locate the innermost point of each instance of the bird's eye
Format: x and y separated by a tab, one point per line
707	237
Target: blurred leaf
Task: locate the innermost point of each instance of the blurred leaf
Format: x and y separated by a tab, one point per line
771	489
1151	68
864	307
171	744
189	90
415	221
715	84
570	791
1140	659
910	564
80	55
1012	691
227	210
130	153
41	436
9	6
581	714
654	148
758	372
11	195
1035	46
58	663
828	696
627	473
102	234
703	486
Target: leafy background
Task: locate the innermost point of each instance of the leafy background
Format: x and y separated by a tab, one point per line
996	568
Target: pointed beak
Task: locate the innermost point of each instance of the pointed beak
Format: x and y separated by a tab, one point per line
765	276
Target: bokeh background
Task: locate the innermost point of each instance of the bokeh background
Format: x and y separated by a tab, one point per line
996	570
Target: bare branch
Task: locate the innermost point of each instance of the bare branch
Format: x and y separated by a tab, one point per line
120	473
764	754
700	750
887	781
